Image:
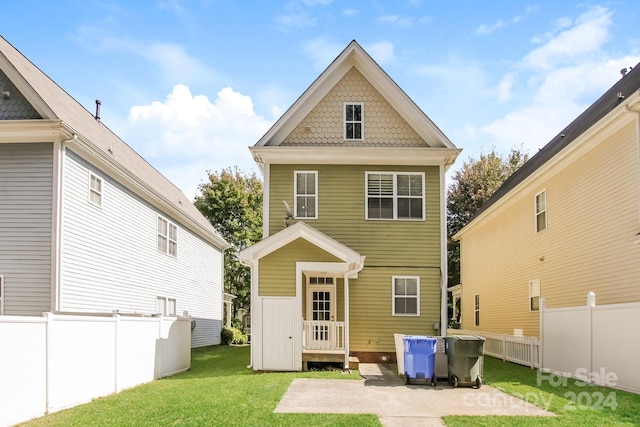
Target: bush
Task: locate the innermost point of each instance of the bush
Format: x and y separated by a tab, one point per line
233	336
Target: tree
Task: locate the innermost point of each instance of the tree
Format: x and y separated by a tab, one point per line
232	202
472	185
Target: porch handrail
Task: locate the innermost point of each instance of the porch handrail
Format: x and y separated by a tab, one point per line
323	335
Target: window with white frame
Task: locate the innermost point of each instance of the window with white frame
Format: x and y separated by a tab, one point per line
353	120
541	211
406	296
166	306
167	237
306	194
534	295
395	195
476	309
95	189
1	294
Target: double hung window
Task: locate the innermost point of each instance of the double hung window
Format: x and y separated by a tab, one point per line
167	237
353	120
395	195
541	211
306	194
406	295
95	189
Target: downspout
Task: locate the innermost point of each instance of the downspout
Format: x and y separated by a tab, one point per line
59	150
347	274
443	254
250	265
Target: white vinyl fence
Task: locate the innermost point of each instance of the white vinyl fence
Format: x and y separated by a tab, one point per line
597	344
58	361
511	348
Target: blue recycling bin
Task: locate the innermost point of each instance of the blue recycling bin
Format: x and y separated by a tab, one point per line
419	359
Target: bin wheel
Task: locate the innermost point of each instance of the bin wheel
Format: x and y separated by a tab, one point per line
478	382
406	378
454	381
434	380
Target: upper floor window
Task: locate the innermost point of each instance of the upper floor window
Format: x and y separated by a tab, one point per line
534	295
95	189
476	309
167	237
395	195
541	211
306	194
353	120
406	295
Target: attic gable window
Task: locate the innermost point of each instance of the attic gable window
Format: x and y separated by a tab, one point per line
395	195
541	211
167	237
353	120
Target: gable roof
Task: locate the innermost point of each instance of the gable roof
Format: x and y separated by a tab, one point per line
91	137
306	232
616	96
355	56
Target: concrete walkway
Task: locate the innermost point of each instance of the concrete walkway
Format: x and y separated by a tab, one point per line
383	393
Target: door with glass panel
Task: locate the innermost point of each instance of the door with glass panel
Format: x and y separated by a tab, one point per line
320	311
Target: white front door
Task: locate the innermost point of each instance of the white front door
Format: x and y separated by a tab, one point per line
321	309
277	334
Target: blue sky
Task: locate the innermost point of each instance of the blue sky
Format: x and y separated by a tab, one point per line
191	85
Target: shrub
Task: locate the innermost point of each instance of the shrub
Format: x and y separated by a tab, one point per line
233	336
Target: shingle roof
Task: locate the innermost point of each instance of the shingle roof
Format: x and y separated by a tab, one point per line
626	86
55	103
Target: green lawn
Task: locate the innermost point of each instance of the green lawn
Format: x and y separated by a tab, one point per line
575	403
220	391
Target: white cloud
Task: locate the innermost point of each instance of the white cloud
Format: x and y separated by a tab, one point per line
588	34
321	51
186	135
382	52
488	29
395	20
561	78
350	12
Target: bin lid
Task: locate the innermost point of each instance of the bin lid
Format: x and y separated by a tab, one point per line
466	337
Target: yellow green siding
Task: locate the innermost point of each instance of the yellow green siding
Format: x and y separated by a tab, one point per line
593	217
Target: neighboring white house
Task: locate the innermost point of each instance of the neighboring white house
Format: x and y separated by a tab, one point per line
86	224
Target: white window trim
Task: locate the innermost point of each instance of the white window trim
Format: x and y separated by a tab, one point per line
166	304
476	309
393	296
295	193
93	191
344	121
1	294
544	211
395	196
167	236
322	287
534	291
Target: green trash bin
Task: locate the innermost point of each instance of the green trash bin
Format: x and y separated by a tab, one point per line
465	356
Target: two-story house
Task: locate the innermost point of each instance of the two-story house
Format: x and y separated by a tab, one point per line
354	246
565	224
86	224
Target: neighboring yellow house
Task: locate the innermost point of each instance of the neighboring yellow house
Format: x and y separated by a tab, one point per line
565	224
354	246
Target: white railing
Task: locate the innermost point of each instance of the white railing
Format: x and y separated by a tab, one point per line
512	348
322	335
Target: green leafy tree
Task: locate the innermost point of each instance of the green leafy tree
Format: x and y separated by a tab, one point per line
472	185
232	202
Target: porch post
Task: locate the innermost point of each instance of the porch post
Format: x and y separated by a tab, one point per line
346	322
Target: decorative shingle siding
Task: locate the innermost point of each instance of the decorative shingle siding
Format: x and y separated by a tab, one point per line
382	125
13	105
25	227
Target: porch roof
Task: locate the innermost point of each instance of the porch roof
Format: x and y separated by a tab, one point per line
301	230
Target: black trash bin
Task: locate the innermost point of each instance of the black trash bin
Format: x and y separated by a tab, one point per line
465	356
